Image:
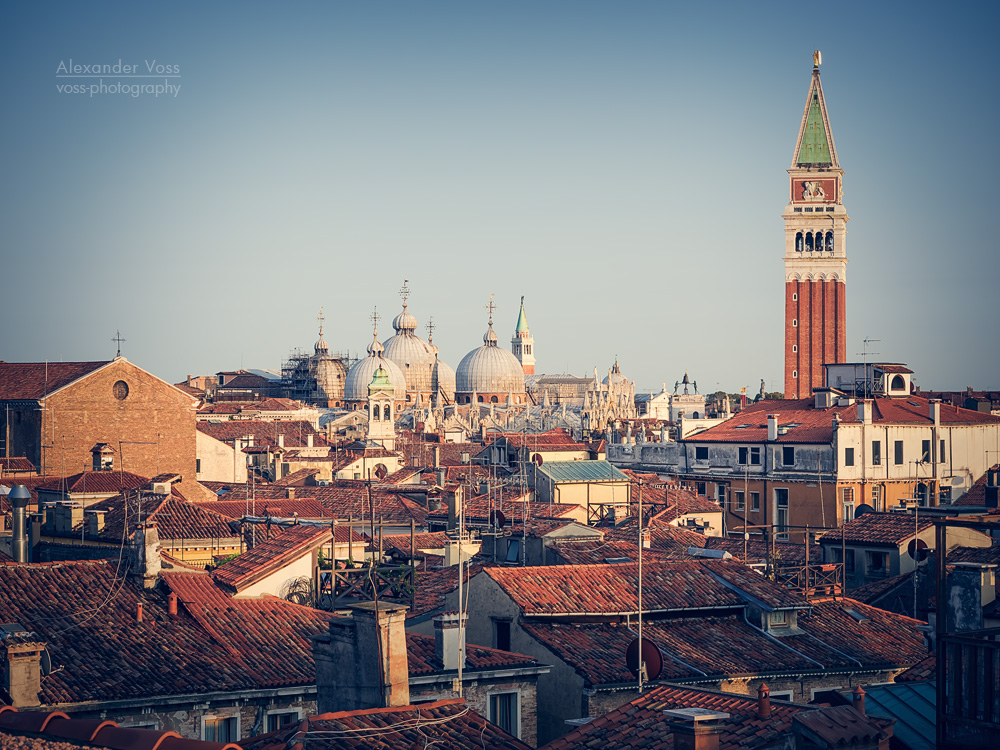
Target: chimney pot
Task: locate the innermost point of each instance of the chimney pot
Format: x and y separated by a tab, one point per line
772	427
447	638
19	497
138	612
763	702
172	603
858	700
281	440
290	493
309	440
23	673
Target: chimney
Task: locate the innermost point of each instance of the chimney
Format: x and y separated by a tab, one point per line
454	498
146	553
250	441
309	440
448	638
696	728
95	522
935	414
992	488
290	493
23	673
172	603
442	476
437	456
19	497
865	412
138	611
763	702
281	440
772	427
858	700
361	662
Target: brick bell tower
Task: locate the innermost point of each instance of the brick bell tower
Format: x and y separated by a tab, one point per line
815	251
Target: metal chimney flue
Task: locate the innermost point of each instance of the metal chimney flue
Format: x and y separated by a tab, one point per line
19	497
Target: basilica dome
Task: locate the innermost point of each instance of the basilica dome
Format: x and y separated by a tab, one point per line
414	356
361	373
490	372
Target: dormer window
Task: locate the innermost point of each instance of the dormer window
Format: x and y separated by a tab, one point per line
778	619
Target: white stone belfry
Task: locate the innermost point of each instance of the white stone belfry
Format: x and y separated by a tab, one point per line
522	344
381	424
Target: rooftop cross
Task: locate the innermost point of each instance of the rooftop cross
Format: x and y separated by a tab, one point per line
491	307
118	339
430	329
321	319
374	319
405	291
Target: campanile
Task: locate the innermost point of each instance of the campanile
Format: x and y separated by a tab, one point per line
815	251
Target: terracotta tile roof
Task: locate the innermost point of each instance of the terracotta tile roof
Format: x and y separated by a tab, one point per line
265	433
401	542
34	380
420	651
814	425
434	585
880	529
662	536
282	547
844	726
557	439
296	478
838	639
870	593
96	482
302	507
758	550
341	500
598	552
925	669
642	725
19	464
213	644
34	730
450	453
985	555
445	724
613	589
401	475
695	647
32	483
477	509
176	518
976	496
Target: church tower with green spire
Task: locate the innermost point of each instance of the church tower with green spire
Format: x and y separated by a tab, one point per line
815	251
522	344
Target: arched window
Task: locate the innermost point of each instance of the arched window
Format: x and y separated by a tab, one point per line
897	383
375	412
480	399
798	242
696	415
809	242
829	242
494	400
388	411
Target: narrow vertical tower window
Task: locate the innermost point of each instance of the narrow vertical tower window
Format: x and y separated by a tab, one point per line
815	251
522	344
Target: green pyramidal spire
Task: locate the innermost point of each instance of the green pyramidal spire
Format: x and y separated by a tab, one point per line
814	148
522	321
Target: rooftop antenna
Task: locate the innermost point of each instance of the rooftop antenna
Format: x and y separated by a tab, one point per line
118	339
864	355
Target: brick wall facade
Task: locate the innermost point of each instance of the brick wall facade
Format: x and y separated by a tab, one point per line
815	333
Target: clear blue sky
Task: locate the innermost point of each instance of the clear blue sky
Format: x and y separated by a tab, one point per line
622	165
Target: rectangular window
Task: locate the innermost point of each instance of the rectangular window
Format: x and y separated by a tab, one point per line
702	488
197	466
898	453
781	513
504	712
513	550
944	495
941	457
925	450
876	452
876	564
877	502
778	619
220	729
847	501
501	634
744	456
281	719
783	695
701	453
848	456
849	562
847	493
755	456
788	455
739	499
755	501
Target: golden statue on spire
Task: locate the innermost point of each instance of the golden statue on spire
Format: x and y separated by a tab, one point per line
817	58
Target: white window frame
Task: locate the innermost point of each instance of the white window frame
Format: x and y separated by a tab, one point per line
222	715
783	695
516	692
277	711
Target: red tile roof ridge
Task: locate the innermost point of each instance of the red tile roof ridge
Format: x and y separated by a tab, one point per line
389	709
269	556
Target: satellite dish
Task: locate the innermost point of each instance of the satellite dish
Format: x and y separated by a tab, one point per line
917	549
537	459
46	665
380	472
650	654
497	518
862	510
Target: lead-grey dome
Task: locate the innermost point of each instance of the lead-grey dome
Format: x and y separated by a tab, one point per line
489	369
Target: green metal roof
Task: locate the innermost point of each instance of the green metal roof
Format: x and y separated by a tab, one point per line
522	322
814	148
380	382
582	471
911	704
